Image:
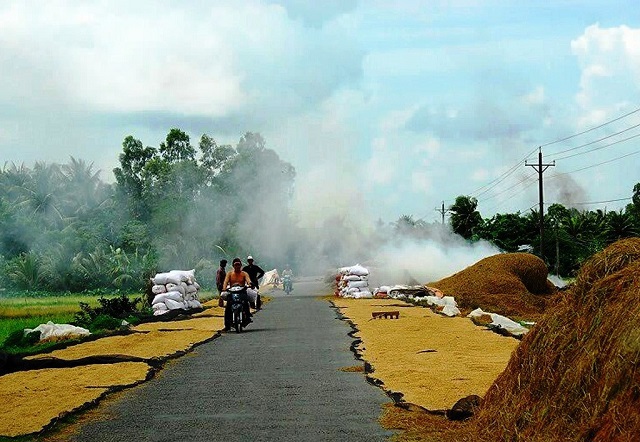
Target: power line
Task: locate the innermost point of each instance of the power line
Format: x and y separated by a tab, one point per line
592	129
600	147
502	177
595	165
492	184
495	182
598	140
601	202
528	178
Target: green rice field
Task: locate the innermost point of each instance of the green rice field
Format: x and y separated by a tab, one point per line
20	312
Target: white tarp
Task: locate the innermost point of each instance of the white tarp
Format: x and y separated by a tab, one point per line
501	322
270	278
50	329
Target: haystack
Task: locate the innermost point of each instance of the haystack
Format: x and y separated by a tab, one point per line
511	284
576	375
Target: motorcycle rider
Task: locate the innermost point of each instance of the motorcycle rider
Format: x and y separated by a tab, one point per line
287	272
255	273
236	277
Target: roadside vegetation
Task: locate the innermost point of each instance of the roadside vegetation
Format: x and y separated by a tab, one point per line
63	229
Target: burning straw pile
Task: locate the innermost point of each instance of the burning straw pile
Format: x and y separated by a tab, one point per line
576	375
511	284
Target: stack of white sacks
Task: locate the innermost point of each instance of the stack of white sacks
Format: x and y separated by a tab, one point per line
353	282
175	290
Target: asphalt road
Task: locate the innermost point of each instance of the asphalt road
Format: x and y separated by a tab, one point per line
278	380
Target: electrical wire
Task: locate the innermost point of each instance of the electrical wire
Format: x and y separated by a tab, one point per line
594	165
592	129
606	201
528	178
502	177
599	147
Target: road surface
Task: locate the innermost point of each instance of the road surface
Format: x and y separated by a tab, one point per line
279	380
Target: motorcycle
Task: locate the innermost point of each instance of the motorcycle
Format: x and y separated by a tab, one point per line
237	298
287	285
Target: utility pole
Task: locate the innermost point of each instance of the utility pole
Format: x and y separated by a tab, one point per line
540	168
442	211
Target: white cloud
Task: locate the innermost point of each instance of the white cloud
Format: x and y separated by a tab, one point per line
480	175
431	146
535	97
163	57
421	181
609	59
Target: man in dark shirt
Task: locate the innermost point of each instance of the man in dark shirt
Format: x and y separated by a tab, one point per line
255	273
220	275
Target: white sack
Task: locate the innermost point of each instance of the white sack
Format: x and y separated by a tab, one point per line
354	278
190	288
184	275
363	294
157	289
358	270
174	305
252	294
165	278
192	303
173	295
159	306
358	284
175	288
160	312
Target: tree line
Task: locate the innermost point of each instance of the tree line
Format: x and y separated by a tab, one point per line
173	206
185	205
571	236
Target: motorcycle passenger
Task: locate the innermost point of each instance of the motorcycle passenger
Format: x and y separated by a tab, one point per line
255	273
236	277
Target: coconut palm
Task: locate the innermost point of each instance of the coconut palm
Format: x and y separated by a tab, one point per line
465	219
619	225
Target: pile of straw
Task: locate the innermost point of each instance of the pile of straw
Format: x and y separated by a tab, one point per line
576	375
511	284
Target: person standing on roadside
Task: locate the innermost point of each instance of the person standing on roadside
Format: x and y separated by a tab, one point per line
255	273
220	276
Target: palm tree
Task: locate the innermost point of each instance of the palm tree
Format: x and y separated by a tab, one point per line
39	195
619	225
465	219
83	189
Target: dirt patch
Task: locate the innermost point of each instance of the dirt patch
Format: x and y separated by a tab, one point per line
431	359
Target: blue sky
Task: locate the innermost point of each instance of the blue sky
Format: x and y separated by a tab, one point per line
384	108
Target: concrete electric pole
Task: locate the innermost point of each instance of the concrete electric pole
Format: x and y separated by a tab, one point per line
540	168
442	211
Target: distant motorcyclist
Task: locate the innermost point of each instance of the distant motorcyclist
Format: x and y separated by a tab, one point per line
236	277
255	273
287	277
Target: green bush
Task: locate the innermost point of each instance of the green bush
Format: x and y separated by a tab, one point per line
19	339
119	308
104	322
